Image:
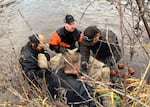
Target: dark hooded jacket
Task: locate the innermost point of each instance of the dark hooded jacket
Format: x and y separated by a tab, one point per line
102	50
76	91
29	62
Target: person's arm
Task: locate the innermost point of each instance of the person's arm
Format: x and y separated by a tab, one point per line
116	48
79	42
116	51
85	54
80	38
29	65
54	42
47	55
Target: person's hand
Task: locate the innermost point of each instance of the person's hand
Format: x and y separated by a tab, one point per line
42	61
84	67
82	78
62	50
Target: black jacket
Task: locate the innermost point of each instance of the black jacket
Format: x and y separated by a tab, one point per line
75	89
30	66
68	39
101	49
29	62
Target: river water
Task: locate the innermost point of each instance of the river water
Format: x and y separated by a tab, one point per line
46	16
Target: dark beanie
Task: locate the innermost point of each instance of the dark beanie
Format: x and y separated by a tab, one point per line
69	19
91	31
33	39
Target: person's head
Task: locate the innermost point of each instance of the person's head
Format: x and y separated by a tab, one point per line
73	58
36	41
92	34
69	23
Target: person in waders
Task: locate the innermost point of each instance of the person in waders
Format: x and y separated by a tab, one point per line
103	45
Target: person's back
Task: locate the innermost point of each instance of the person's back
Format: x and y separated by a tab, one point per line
76	92
27	52
76	89
65	37
107	49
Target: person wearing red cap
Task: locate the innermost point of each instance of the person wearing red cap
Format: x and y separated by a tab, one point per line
65	37
104	47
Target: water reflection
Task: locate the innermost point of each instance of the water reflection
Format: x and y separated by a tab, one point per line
54	11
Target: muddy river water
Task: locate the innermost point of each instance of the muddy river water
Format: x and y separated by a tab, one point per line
45	16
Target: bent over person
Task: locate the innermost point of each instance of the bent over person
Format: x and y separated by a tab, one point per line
104	46
29	58
65	37
34	60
